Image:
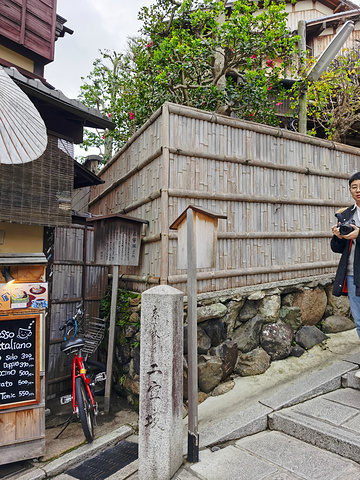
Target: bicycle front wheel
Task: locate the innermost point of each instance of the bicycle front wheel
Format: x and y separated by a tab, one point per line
85	409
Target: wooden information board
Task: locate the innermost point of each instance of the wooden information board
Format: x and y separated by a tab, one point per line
19	360
117	239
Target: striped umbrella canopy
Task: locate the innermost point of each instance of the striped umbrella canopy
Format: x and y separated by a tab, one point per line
23	135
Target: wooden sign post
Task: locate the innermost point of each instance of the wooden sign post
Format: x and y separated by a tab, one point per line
196	228
117	242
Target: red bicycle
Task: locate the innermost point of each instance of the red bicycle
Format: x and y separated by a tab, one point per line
88	376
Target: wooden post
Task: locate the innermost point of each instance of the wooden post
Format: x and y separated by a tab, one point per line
117	241
193	435
109	363
303	87
190	257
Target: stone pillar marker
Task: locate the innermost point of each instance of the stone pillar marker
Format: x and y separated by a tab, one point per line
161	383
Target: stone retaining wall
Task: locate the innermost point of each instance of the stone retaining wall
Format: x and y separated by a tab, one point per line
241	331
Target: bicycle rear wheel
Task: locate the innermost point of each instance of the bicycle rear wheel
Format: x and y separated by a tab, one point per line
85	409
93	368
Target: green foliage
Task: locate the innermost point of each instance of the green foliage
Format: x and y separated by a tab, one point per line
194	53
123	379
109	88
123	311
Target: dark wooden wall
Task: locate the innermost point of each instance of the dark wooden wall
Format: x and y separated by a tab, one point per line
38	192
30	23
73	276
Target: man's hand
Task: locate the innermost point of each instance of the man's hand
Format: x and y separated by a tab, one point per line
336	231
353	235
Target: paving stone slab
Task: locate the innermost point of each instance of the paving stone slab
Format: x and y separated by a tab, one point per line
282	476
184	474
324	409
330	437
320	382
125	472
351	474
231	463
246	422
353	424
350	381
297	457
345	396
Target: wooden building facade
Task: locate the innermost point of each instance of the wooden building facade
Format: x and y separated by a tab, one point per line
35	204
278	189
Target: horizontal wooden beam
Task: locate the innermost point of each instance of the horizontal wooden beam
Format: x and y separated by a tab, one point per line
173	279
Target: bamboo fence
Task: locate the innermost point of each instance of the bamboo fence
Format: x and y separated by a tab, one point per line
279	190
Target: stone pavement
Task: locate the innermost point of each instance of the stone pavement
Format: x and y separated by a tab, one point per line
299	420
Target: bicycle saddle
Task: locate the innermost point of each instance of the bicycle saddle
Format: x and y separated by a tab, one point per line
72	344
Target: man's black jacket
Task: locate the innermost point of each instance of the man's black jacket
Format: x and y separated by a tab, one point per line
343	246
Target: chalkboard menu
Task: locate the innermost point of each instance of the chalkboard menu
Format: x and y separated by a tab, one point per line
19	360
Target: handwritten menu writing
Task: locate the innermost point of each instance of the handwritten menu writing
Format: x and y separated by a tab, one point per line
17	360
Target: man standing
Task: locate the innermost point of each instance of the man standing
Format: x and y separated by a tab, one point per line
344	241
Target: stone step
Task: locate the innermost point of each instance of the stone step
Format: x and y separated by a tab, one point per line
350	381
318	383
254	419
330	422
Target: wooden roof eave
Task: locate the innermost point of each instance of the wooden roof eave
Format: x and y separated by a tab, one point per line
89	117
84	177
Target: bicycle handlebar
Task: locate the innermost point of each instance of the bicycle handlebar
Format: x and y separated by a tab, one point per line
72	322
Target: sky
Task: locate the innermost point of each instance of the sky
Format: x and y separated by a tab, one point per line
97	24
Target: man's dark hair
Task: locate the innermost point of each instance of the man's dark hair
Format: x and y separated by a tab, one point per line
354	177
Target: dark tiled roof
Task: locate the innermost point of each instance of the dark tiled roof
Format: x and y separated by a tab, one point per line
91	117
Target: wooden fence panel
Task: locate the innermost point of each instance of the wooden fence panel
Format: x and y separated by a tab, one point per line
69	286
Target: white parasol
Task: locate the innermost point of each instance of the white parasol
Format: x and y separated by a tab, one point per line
23	135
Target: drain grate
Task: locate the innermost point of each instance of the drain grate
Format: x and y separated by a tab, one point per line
11	469
106	463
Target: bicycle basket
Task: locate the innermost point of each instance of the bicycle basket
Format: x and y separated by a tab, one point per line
94	334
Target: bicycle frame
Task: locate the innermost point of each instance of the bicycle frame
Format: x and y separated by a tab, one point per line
83	403
79	370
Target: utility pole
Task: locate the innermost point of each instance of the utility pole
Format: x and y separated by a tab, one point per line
303	86
321	65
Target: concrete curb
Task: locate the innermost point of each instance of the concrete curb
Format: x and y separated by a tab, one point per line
252	420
